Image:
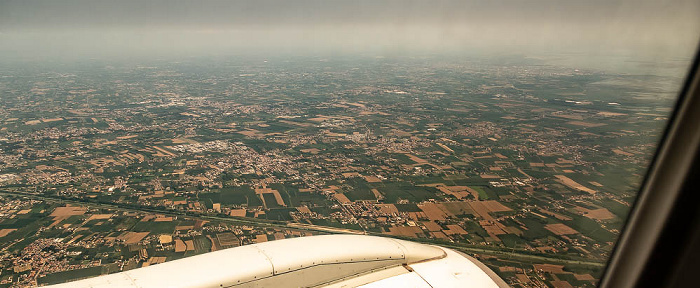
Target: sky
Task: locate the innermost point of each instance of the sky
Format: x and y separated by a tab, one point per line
69	29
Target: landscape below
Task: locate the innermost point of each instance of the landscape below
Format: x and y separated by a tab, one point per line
530	167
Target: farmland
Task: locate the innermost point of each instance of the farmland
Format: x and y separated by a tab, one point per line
530	157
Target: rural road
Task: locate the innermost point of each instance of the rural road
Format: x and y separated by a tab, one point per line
496	251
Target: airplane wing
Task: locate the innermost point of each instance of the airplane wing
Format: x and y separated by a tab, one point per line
316	261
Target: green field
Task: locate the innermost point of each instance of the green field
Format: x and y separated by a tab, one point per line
65	276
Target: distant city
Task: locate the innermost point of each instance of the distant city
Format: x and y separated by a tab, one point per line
529	166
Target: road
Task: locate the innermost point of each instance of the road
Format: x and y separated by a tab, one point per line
496	251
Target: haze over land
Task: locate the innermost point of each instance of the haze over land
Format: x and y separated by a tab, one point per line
79	29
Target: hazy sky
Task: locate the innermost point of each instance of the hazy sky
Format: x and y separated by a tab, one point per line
92	28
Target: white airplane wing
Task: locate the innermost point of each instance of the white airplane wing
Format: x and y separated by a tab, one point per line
317	261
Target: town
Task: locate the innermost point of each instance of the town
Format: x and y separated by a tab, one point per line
107	167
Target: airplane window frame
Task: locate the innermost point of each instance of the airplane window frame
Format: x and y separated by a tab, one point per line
643	255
